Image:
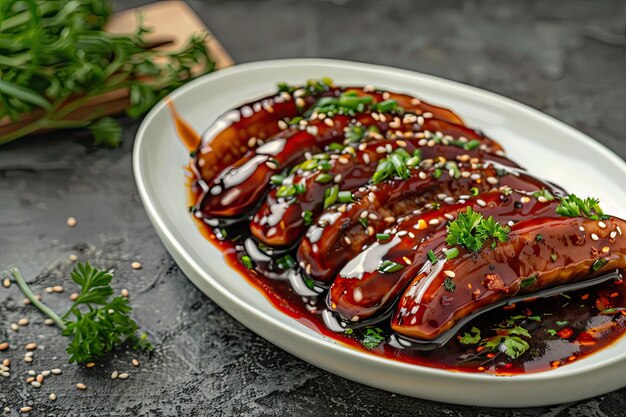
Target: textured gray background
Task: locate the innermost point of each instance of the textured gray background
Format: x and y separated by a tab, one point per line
205	363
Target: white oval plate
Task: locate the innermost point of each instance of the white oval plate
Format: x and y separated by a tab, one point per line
547	147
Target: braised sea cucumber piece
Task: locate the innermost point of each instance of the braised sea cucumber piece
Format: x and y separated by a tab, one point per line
285	214
343	230
371	282
242	129
538	254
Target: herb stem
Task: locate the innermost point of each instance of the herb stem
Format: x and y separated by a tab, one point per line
21	283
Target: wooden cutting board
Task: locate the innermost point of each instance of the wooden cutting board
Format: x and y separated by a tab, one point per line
173	21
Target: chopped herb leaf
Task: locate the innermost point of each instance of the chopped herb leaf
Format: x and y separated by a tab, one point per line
527	282
285	262
307	217
539	238
308	282
246	261
471	231
449	285
431	256
598	264
471	338
451	253
551	332
383	236
543	193
572	206
345	197
372	338
363	222
562	323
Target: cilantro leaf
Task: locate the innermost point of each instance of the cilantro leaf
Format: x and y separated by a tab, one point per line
471	338
372	338
106	132
573	206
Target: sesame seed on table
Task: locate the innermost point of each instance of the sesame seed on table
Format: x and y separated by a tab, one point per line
64	200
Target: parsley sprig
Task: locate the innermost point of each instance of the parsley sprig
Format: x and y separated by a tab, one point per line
471	230
510	341
95	322
573	206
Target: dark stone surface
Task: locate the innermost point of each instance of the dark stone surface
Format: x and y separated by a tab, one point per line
205	363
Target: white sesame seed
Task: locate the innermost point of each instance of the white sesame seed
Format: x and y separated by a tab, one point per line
52	396
56	371
6	283
525	199
135	265
135	362
433	222
542	199
81	386
32	373
45	373
347	240
449	273
114	375
582	229
475	177
613	234
602	225
381	149
71	221
36	384
357	295
58	288
619	230
31	346
49	290
124	293
48	322
510	223
28	359
594	236
26	409
123	375
29	354
15	327
481	202
492	180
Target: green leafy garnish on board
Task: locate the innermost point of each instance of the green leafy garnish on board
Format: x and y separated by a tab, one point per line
372	338
55	57
573	206
471	230
96	322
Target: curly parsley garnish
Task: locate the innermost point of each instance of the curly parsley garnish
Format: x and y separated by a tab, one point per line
372	338
573	206
471	230
507	340
95	322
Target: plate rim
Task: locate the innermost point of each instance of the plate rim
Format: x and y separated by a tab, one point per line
159	224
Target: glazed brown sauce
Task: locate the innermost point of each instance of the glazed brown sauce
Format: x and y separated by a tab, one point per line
569	328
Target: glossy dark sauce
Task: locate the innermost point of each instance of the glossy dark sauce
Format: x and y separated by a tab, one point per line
574	319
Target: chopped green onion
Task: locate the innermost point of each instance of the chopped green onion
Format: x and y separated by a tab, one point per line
335	147
383	236
285	262
363	222
323	178
246	261
307	217
277	179
452	253
399	166
527	282
431	256
472	144
388	267
290	190
599	264
309	165
474	191
345	197
437	173
330	196
554	257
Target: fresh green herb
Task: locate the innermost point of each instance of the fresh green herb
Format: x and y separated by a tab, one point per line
55	57
553	256
247	262
330	196
527	282
471	338
307	217
308	165
454	169
513	319
363	222
308	282
336	147
383	236
285	262
395	164
290	190
562	323
598	264
451	253
387	106
508	341
372	338
431	256
612	311
572	206
277	179
437	173
449	285
348	103
472	144
383	171
539	238
355	133
474	191
345	197
551	332
348	331
95	322
323	178
388	267
544	193
471	231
